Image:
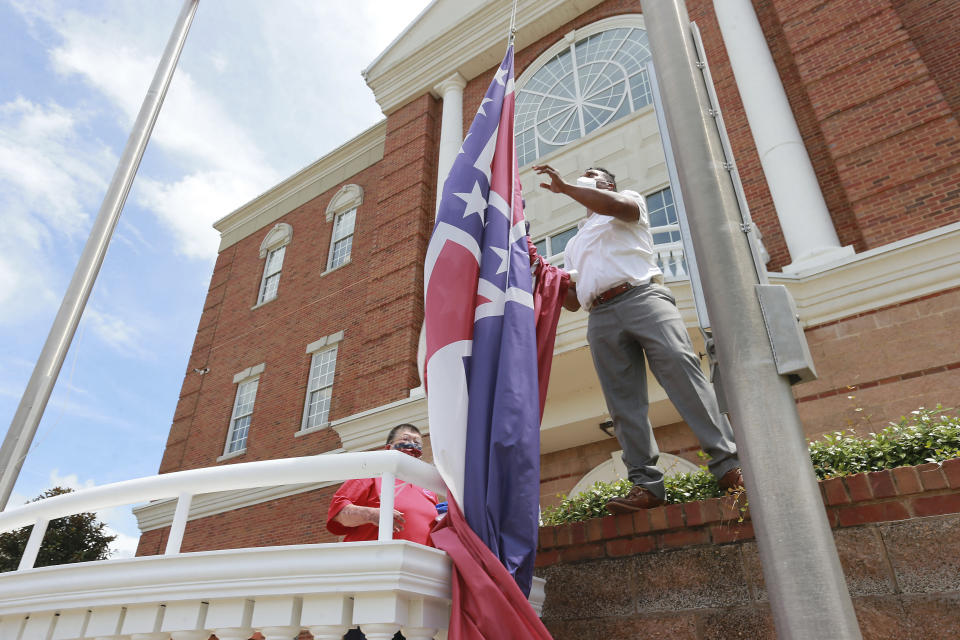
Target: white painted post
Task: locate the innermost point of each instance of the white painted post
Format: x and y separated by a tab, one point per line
387	484
451	126
30	552
801	208
179	524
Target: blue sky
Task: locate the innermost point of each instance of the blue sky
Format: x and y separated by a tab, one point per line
262	89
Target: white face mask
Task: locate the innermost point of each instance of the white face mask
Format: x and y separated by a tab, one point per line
584	181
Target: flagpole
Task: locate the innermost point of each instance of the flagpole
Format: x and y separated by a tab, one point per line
23	428
513	24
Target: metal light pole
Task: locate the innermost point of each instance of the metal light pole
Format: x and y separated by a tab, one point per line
808	593
35	397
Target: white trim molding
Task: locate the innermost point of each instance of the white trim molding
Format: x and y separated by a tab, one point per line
249	372
459	36
326	341
350	196
280	235
347	160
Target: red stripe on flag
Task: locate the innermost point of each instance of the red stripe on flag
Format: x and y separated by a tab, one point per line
487	603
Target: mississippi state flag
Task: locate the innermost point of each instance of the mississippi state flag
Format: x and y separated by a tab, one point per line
481	360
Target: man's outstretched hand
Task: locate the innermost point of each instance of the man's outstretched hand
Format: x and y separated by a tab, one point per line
556	183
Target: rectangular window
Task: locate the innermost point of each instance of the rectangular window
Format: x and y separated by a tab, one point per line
242	413
316	411
342	241
271	274
552	246
663	217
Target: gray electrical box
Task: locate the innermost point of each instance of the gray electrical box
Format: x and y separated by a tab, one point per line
790	350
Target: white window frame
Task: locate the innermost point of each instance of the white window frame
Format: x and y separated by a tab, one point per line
555	258
336	240
316	350
250	375
568	43
347	201
276	240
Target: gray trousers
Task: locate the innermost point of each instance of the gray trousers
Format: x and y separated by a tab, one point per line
641	325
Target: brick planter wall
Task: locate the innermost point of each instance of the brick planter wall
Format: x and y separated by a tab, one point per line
693	571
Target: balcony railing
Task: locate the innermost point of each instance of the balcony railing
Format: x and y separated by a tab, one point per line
381	586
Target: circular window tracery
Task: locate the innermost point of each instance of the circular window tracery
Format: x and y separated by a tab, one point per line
596	80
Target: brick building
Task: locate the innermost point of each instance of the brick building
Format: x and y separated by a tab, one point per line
309	335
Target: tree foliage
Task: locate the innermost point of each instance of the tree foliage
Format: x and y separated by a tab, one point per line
76	538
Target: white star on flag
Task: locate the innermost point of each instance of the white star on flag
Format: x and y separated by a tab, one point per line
476	202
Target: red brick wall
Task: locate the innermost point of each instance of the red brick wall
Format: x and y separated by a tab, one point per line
889	129
872	87
693	572
882	364
932	25
376	299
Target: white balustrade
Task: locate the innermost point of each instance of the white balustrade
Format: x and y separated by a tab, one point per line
381	586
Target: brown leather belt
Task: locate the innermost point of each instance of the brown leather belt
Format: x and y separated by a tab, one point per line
610	294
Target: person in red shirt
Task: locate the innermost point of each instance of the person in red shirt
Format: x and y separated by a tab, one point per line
355	508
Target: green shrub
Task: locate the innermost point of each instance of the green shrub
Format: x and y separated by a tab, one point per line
923	436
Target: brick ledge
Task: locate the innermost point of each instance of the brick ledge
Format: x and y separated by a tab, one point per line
864	498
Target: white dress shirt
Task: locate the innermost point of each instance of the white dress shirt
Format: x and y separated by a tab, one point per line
607	251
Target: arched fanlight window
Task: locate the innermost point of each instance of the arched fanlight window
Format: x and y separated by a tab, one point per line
591	82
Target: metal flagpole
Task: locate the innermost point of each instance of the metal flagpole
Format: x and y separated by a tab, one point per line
806	586
35	397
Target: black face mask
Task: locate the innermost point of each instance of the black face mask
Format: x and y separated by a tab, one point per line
414	449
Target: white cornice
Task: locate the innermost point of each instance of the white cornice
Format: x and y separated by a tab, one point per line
900	271
340	164
368	429
300	570
474	43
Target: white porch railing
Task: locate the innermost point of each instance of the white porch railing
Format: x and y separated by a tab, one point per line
381	586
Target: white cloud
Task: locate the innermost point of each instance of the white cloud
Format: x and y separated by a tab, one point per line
49	176
69	481
115	332
188	207
124	546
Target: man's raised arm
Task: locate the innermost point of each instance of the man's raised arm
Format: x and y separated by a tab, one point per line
603	200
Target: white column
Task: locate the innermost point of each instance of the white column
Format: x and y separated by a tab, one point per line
800	206
451	126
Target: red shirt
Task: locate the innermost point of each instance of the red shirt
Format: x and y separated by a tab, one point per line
418	506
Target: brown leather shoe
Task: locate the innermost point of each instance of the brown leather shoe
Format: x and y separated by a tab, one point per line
731	480
637	500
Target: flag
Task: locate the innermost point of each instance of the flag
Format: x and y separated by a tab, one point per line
481	349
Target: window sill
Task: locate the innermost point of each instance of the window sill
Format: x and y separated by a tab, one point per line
339	266
262	304
231	455
306	432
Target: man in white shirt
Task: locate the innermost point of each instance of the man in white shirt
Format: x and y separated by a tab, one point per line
634	319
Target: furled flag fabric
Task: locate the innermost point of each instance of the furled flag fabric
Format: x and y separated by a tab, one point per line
481	355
